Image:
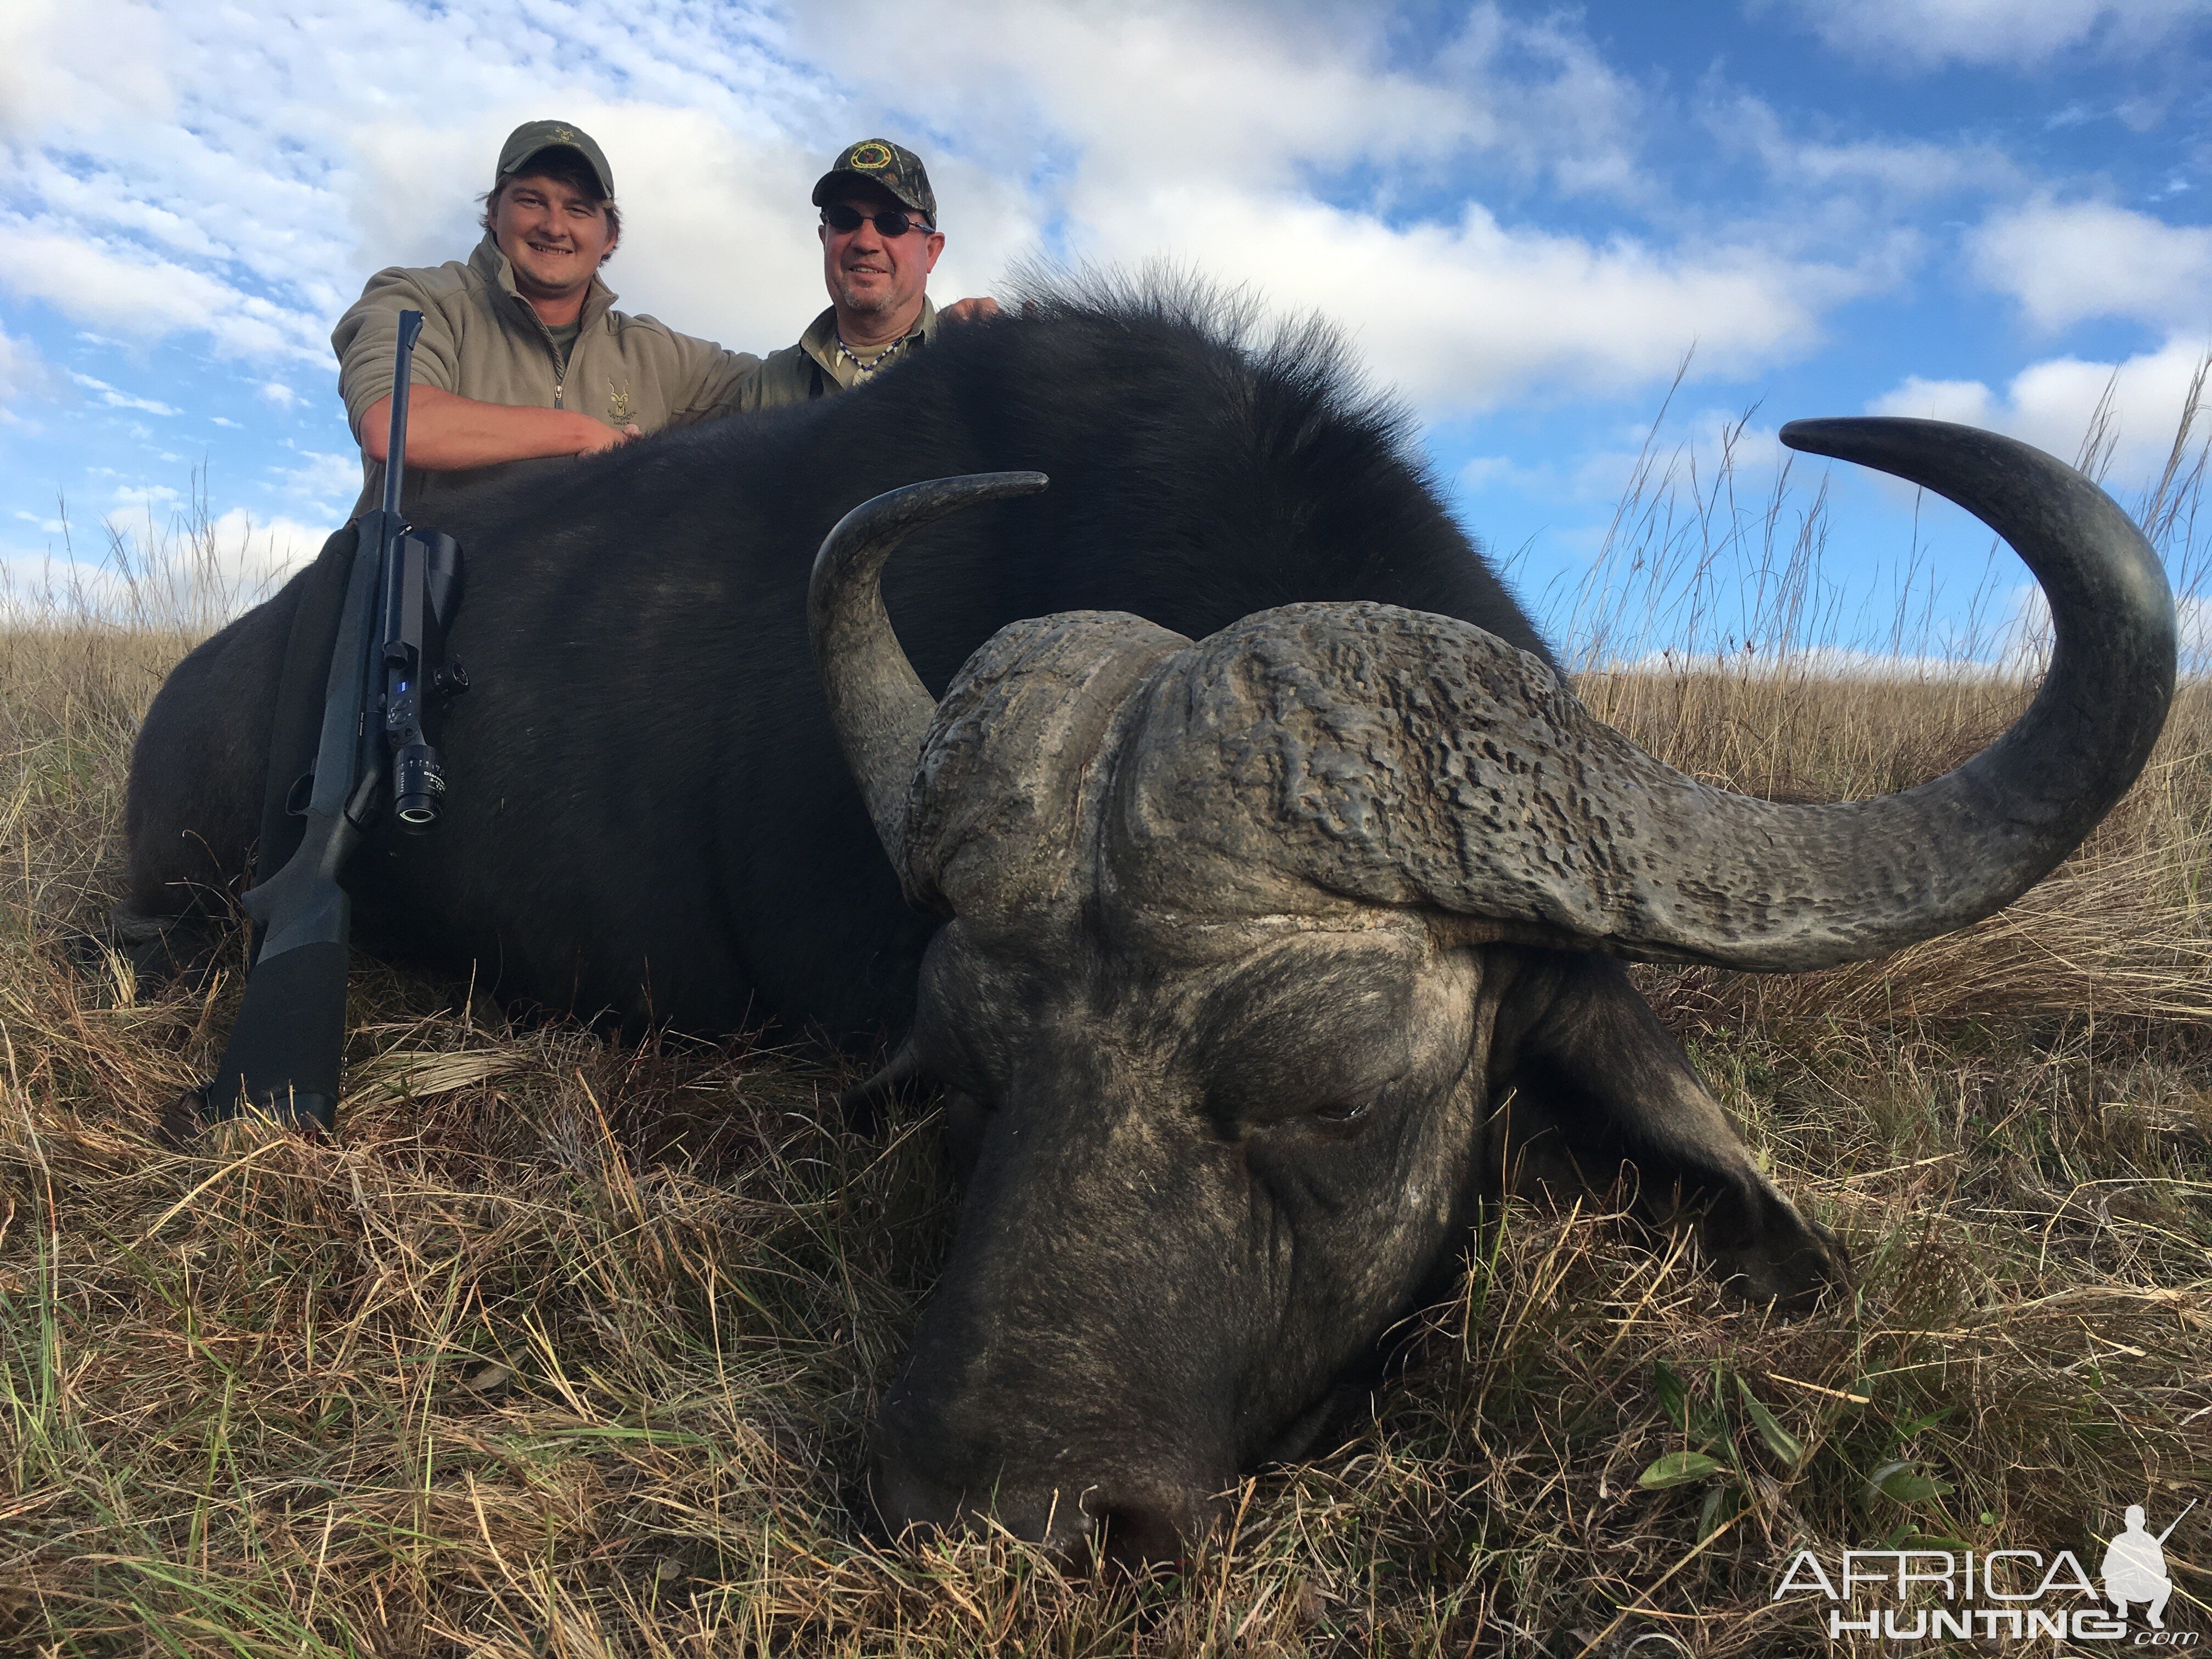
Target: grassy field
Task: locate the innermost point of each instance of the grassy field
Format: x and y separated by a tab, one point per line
568	1348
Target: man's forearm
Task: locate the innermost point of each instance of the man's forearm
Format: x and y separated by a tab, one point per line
447	433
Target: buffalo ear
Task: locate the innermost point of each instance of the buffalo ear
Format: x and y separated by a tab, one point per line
1003	789
1524	1149
1532	1137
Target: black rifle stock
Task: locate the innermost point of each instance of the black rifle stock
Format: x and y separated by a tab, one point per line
284	1052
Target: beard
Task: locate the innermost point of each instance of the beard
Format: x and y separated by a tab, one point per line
875	300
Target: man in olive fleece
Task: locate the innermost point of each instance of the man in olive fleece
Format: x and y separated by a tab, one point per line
522	352
880	243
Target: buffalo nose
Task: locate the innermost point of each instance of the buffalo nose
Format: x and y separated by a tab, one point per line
1124	1529
1133	1534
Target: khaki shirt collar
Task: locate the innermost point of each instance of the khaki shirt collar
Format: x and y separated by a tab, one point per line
498	271
820	340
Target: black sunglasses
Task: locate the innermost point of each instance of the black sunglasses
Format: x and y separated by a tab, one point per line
889	224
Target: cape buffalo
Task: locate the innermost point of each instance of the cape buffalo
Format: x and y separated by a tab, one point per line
1223	953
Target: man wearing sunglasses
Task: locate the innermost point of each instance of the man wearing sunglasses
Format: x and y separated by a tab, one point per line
880	243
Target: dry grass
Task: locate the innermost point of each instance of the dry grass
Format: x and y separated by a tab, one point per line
567	1349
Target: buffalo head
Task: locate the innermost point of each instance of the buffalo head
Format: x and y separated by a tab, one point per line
1246	939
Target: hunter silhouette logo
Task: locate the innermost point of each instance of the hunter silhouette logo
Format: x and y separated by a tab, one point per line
2133	1568
1924	1594
870	157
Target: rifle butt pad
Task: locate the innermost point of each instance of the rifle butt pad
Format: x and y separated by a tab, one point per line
283	1054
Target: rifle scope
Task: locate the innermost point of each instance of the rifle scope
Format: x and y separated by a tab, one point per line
419	785
422	576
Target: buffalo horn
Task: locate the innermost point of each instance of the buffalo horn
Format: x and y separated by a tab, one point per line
877	704
1404	759
1648	863
1998	823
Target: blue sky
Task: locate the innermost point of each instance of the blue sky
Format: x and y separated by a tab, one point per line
1526	217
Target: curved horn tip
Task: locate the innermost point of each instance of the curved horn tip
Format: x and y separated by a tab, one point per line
980	486
1868	440
961	489
1815	434
876	525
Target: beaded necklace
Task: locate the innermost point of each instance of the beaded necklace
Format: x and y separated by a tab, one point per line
865	368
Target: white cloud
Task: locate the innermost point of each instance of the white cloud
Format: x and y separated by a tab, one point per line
1462	316
197	573
155	202
23	372
144	296
1222	133
1906	170
1180	88
144	497
1923	34
326	482
2053	405
276	393
251	558
37	587
1208	136
2068	263
117	398
60	60
1966	402
1501	472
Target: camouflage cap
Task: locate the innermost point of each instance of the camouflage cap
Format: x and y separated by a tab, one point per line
532	137
879	162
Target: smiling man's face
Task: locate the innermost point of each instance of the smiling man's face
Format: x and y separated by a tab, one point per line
872	275
554	234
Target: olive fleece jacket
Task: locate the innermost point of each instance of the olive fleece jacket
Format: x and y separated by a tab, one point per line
812	369
481	339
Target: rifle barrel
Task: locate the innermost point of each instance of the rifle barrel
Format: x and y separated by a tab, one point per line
395	446
2178	1520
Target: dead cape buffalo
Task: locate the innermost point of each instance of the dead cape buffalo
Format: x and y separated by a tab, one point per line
1224	953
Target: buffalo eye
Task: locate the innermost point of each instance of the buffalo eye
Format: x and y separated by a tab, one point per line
1342	1115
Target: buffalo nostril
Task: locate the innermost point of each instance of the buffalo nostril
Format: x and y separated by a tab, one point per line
900	1504
1120	1528
1134	1536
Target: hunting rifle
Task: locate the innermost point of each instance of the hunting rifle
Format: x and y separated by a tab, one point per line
387	673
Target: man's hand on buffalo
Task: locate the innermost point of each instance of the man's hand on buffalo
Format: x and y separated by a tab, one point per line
447	433
975	308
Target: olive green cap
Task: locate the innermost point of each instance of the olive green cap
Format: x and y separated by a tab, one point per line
532	137
879	162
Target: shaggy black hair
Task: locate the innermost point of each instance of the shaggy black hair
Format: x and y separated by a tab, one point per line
649	811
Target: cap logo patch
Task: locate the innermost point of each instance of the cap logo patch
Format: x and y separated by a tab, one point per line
869	157
566	135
